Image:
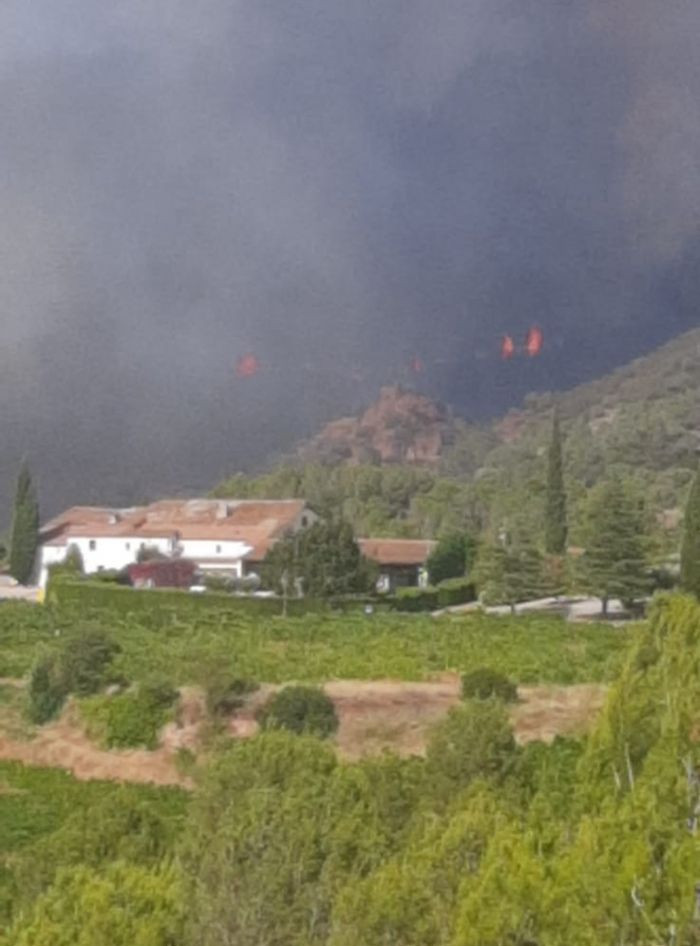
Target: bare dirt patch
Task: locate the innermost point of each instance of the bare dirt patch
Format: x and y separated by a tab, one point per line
545	712
386	714
374	716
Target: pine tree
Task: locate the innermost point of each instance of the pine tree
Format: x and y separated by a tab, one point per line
509	574
614	562
555	510
690	549
25	528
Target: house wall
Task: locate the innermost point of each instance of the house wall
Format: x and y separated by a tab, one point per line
392	577
107	554
227	551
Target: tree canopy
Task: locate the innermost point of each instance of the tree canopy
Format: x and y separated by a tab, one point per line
323	560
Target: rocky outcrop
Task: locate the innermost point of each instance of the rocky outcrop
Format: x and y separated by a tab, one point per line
400	427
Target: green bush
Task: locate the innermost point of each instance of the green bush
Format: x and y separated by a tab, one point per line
47	690
79	667
474	741
85	659
301	710
484	683
454	591
125	721
416	599
225	695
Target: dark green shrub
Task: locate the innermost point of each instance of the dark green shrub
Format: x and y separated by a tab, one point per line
451	557
301	710
85	659
47	690
124	721
454	591
227	694
416	599
484	683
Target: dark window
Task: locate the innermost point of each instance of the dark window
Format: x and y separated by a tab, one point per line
304	521
128	546
93	545
218	549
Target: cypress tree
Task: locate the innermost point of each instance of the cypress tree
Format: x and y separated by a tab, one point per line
555	510
690	549
25	528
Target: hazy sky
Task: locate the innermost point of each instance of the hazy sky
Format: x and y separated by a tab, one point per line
336	186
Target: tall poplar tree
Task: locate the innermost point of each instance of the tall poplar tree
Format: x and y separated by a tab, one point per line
555	510
690	549
25	528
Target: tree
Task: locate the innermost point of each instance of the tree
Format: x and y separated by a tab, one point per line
451	557
507	574
555	508
690	549
253	850
124	905
323	560
614	564
474	741
25	528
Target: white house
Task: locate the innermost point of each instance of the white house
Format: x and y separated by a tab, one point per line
225	536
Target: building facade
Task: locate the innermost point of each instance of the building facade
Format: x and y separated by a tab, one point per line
221	536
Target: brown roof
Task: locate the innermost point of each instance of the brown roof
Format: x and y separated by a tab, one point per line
396	551
255	522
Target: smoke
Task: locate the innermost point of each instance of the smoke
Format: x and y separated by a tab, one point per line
335	187
659	138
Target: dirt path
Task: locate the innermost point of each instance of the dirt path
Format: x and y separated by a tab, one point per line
374	716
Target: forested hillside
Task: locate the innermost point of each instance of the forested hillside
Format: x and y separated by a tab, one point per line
641	422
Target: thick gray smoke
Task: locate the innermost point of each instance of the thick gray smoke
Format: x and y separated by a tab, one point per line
335	186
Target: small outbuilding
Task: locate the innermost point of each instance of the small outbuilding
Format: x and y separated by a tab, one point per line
402	562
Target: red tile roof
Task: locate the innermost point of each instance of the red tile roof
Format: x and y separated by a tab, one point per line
396	551
255	522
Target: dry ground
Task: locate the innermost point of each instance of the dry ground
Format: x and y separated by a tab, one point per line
374	716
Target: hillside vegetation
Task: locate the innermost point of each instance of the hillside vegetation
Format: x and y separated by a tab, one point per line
640	422
481	843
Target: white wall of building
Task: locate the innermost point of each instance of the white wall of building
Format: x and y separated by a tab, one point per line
113	553
101	554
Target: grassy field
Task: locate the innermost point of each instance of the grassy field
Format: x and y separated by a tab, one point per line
316	647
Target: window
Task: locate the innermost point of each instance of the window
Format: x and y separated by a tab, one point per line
93	545
218	550
304	521
128	546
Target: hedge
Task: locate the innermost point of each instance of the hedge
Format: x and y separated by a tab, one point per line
82	597
454	591
416	599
